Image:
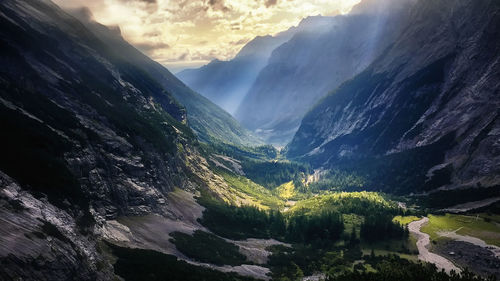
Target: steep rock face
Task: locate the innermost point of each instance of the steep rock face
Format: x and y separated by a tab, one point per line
80	122
39	241
313	62
88	135
427	108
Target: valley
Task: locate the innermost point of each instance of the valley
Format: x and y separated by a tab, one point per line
286	231
356	147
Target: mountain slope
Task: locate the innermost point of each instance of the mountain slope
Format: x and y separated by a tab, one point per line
425	113
312	63
89	137
210	122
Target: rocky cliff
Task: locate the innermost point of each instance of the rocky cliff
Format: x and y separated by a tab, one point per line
91	132
425	114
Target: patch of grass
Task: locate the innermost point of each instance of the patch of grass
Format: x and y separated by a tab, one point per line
264	197
206	247
286	190
361	203
405	220
475	226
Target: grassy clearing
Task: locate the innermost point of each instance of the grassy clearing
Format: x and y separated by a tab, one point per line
475	226
286	190
264	198
405	220
362	203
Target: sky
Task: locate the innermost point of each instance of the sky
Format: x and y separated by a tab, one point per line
186	33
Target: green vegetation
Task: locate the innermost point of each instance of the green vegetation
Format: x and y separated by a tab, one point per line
263	152
261	165
320	229
405	220
337	180
262	195
293	263
241	222
206	247
274	173
377	227
250	222
139	265
475	226
361	203
286	190
393	268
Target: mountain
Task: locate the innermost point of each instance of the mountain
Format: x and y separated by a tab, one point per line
210	122
425	114
313	62
91	134
227	82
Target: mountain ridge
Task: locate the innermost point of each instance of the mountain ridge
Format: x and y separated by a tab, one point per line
416	94
306	67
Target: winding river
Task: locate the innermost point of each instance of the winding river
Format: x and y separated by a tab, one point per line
423	241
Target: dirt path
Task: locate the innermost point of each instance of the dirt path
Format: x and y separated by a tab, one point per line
423	241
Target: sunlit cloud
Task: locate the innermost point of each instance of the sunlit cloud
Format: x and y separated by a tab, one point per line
188	33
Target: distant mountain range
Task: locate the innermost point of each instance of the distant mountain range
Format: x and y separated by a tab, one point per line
285	75
227	83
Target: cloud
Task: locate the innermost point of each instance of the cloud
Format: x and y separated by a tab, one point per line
218	5
209	29
270	3
183	56
143	1
149	47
